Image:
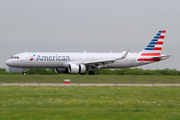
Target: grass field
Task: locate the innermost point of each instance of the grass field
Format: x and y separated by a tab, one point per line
89	103
89	79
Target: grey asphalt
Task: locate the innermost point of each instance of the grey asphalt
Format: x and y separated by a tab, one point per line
81	84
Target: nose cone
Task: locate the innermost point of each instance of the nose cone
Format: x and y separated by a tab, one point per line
9	63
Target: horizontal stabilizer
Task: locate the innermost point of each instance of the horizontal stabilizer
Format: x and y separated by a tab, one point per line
165	56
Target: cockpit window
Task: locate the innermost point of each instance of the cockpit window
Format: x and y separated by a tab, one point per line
14	57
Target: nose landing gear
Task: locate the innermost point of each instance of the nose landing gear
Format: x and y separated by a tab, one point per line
24	71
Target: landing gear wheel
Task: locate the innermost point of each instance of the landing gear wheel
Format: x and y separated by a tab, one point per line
82	73
91	72
24	73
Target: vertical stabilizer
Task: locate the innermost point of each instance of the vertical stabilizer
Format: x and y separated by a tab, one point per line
155	46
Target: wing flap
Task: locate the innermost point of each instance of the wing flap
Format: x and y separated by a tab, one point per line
99	62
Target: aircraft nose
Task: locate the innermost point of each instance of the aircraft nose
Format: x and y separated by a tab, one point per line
9	62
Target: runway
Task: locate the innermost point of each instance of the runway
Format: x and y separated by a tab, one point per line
81	84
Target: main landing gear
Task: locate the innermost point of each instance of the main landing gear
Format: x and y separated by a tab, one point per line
91	72
24	71
82	73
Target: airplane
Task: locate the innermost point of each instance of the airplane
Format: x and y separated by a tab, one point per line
82	61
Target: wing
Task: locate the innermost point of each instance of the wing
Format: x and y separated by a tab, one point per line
102	63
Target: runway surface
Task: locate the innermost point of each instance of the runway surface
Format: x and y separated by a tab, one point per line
81	84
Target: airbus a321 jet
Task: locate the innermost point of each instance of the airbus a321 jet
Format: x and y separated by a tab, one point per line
80	62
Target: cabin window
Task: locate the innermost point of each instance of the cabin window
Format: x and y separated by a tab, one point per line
14	57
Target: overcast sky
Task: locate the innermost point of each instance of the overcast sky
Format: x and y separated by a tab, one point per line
91	25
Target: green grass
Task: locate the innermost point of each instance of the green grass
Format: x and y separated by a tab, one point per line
89	79
89	103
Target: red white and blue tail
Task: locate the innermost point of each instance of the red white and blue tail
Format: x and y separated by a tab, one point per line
152	52
155	46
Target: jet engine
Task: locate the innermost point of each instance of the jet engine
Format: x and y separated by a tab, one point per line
74	68
61	70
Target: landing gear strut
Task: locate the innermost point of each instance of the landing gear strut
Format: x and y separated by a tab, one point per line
24	71
91	72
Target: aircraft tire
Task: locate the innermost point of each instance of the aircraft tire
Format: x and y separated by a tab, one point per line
24	73
82	73
91	72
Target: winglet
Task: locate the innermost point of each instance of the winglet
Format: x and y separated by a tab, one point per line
124	56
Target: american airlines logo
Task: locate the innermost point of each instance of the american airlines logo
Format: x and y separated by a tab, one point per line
53	58
32	58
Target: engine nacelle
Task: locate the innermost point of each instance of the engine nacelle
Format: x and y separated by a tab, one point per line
82	69
61	70
74	68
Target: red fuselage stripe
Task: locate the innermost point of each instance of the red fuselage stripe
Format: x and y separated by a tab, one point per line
150	54
148	59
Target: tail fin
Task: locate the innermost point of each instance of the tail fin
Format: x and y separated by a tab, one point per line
155	46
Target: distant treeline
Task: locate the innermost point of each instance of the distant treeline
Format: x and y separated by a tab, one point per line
126	71
137	71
